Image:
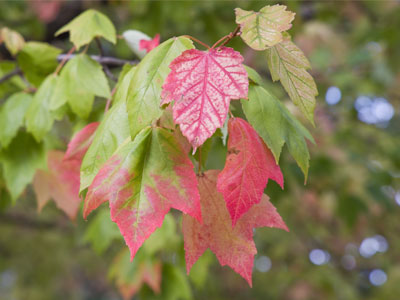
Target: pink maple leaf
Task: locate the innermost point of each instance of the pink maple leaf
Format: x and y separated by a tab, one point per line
149	45
248	167
203	83
60	183
80	142
233	246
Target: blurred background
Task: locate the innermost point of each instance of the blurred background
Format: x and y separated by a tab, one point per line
344	223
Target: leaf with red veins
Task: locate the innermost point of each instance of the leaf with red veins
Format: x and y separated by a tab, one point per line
80	142
149	45
142	181
203	83
248	167
233	246
60	182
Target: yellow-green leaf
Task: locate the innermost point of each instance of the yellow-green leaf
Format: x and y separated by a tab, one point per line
12	39
288	64
87	26
263	29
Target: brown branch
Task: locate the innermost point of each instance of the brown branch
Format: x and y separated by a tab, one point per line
104	60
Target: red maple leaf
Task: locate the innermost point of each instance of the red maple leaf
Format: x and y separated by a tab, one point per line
60	182
233	246
203	83
80	142
142	181
248	167
149	45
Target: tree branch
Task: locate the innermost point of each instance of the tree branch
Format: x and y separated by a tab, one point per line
104	60
16	71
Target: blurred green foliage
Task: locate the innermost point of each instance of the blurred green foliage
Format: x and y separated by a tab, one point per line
351	191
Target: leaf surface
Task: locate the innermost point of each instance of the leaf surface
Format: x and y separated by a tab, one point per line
112	131
142	181
81	141
203	83
144	94
12	115
20	161
288	64
277	126
248	167
37	60
82	79
233	246
39	119
131	276
263	29
87	26
60	183
13	40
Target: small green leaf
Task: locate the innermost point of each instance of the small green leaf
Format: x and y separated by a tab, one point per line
145	91
253	75
288	64
87	26
263	29
276	125
13	40
102	231
81	80
39	118
12	115
37	60
20	161
112	131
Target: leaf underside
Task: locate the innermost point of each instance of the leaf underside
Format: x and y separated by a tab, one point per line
203	83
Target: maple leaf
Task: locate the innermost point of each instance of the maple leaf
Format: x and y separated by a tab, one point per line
60	182
203	83
233	246
263	29
288	64
149	45
131	276
248	167
277	126
80	142
142	181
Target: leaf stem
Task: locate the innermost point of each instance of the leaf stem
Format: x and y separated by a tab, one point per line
197	41
61	64
225	39
108	103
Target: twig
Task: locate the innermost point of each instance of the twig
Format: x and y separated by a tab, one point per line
227	38
109	61
16	71
197	41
